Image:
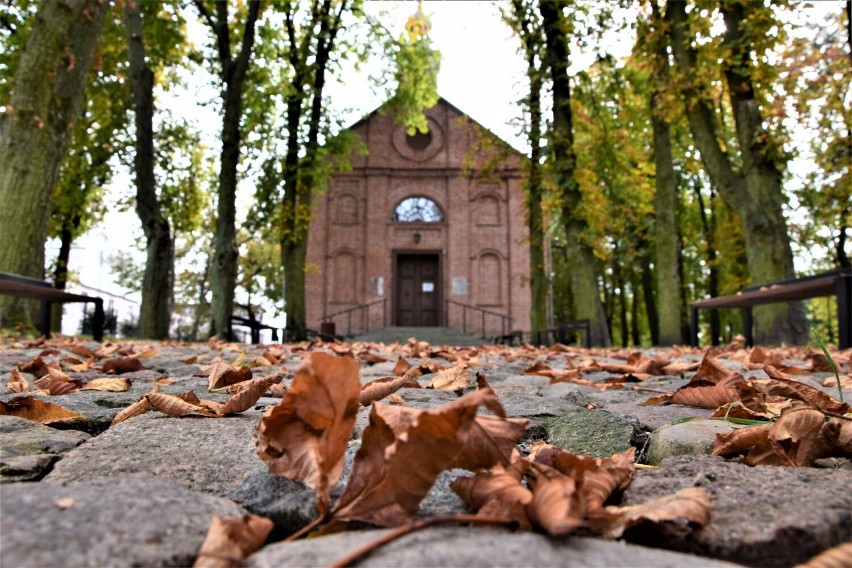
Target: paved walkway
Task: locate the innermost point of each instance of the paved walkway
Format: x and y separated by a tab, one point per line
144	492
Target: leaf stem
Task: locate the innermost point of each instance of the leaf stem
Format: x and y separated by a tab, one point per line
306	529
833	366
353	557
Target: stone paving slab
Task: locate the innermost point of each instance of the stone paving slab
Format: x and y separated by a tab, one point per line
209	455
28	449
763	516
117	521
473	547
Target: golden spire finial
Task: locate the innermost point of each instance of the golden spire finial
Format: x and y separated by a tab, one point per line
418	24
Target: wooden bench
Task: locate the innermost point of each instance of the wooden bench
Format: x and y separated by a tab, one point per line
254	328
34	289
835	283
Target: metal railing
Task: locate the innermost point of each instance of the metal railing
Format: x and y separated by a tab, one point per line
484	315
365	321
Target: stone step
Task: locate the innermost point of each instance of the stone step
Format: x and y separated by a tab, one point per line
433	335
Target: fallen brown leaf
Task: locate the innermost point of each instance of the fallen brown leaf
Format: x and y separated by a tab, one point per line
37	410
305	436
556	506
141	406
381	388
496	493
245	394
17	383
799	436
121	365
454	378
109	385
231	540
392	473
175	407
691	504
839	556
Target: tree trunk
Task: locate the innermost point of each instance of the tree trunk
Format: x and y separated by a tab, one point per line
755	192
709	227
648	297
622	300
584	282
223	273
530	39
60	273
158	282
47	98
299	178
665	218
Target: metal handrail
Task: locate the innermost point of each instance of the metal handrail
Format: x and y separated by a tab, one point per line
366	321
504	319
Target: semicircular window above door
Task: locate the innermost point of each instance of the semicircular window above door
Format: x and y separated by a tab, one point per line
418	210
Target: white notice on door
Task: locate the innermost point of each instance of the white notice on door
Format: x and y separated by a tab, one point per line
428	287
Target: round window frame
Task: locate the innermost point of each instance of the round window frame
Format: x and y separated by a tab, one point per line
400	142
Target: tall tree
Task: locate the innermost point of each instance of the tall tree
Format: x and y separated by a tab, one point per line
158	280
752	188
49	90
232	73
527	23
665	197
584	281
318	38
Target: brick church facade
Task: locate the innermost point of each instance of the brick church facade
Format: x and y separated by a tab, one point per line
409	238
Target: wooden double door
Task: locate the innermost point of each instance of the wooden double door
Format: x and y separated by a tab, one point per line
418	290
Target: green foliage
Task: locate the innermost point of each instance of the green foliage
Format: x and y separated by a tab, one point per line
416	72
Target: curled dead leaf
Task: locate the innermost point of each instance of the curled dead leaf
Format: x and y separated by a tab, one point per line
141	406
799	437
305	436
496	493
109	385
691	504
175	407
231	540
224	375
17	382
246	393
454	378
394	471
556	506
121	365
381	388
37	410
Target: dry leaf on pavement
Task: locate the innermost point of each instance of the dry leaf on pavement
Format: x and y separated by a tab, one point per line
393	472
381	388
141	406
109	385
557	505
800	436
17	382
231	540
121	365
691	504
496	493
36	410
305	436
245	394
454	378
175	407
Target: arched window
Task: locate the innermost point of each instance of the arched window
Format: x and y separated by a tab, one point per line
346	210
343	276
489	280
418	210
487	210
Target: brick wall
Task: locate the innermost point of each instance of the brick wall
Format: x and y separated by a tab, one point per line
481	243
